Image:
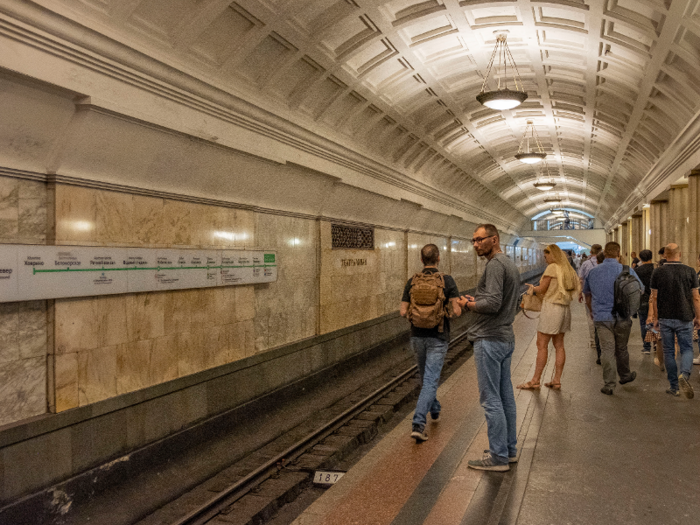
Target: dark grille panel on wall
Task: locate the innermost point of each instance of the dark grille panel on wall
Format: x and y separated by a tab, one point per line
352	238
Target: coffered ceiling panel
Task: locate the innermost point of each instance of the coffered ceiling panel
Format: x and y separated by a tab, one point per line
611	83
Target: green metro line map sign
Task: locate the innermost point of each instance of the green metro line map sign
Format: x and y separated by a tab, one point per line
50	272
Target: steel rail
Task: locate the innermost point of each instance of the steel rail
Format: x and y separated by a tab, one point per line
236	491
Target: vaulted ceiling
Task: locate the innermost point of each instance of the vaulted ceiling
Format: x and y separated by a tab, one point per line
610	83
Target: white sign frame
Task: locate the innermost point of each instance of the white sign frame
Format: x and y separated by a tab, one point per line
33	272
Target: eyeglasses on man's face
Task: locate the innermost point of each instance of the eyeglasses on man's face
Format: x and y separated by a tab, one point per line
479	240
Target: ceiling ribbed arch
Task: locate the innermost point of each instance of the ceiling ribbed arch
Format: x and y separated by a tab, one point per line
611	83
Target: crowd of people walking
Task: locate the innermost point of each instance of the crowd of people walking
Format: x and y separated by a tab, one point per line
664	297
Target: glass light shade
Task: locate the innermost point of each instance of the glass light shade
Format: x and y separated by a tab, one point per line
501	99
544	186
532	157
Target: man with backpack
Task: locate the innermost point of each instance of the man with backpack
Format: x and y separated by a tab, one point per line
674	309
427	299
613	293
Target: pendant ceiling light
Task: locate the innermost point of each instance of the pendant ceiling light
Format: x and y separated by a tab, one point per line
552	199
503	97
544	186
544	182
524	153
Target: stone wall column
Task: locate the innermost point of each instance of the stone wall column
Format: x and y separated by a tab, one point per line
636	234
693	216
624	242
658	212
678	219
646	226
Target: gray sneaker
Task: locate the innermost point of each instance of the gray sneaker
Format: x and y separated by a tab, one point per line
488	463
511	459
685	386
673	392
419	434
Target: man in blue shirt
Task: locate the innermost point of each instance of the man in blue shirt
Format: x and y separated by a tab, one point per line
613	331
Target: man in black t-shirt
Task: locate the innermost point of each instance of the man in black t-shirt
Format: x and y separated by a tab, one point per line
644	271
662	261
430	344
674	308
635	260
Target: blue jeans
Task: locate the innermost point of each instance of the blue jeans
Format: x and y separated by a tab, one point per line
492	359
430	355
684	331
643	313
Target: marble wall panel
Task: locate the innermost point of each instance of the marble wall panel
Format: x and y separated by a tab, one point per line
76	215
9	332
133	365
97	374
391	246
23	325
114	222
349	290
66	381
23	350
463	264
76	324
281	309
147	221
22	389
23	211
9	208
163	363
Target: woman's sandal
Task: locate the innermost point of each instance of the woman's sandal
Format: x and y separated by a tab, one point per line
553	385
528	386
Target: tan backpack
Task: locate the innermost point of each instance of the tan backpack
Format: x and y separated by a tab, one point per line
427	306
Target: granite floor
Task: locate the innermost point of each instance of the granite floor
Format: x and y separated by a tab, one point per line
585	458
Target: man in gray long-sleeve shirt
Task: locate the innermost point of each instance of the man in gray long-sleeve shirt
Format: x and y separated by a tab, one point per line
492	335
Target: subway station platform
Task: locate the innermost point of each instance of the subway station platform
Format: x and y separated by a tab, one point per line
584	457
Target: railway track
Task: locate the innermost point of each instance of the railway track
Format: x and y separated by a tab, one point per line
224	505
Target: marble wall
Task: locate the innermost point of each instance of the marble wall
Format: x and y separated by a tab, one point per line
463	264
101	347
287	311
23	211
391	246
106	346
23	325
350	284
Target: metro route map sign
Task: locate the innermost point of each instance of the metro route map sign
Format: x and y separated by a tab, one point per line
30	272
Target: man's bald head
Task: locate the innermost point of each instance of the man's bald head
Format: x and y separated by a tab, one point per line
672	252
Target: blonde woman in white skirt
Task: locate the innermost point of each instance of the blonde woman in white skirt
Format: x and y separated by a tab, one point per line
558	286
